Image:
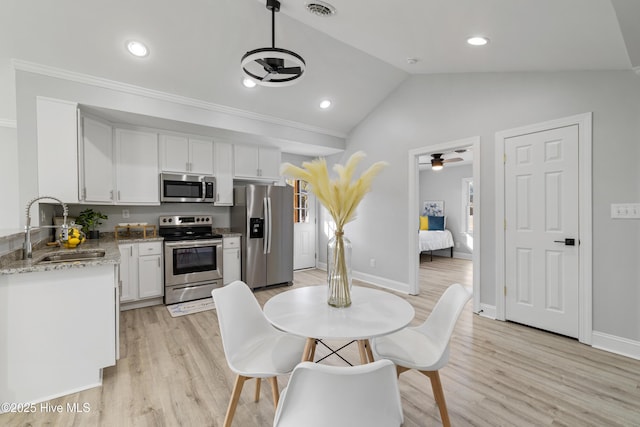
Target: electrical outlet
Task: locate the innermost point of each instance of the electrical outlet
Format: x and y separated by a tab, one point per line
372	262
125	213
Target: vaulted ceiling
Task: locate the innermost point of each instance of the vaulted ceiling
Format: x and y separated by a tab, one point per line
355	57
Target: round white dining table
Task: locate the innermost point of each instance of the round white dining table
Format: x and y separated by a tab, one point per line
305	312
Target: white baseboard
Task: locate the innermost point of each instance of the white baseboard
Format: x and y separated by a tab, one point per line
615	344
374	280
488	311
463	255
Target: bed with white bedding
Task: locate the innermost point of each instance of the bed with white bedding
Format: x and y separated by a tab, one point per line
434	240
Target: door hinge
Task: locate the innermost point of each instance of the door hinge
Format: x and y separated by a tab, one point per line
504	158
505	291
505	223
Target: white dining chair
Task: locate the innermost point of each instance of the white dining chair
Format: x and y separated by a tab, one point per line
252	346
341	396
426	347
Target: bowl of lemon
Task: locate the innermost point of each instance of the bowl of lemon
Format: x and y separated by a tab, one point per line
74	238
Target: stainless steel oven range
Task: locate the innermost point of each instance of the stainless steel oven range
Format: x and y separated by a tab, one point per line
192	257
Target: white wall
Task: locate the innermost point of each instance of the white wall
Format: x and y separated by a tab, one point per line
9	205
433	109
446	185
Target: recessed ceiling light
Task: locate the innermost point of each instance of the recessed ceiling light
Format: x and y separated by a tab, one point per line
137	48
477	41
247	82
324	104
412	61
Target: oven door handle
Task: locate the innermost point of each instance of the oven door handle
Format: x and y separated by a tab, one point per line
193	244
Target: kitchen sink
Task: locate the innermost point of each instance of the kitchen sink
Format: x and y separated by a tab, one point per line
71	256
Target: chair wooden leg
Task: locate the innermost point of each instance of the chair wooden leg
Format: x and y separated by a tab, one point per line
363	352
438	393
258	383
274	391
233	403
309	350
401	369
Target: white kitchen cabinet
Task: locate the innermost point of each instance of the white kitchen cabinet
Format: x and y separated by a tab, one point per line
223	171
57	133
183	154
141	274
150	283
96	161
128	271
136	165
231	259
253	162
58	332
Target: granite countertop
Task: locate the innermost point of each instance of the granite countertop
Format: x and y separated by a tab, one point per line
230	234
111	256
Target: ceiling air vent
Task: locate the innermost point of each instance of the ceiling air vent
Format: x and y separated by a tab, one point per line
320	8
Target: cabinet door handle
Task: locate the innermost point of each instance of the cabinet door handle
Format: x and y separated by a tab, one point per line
111	195
158	262
238	254
131	251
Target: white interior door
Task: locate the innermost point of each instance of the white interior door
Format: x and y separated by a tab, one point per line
541	212
304	227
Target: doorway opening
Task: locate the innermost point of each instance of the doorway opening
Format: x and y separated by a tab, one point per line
416	206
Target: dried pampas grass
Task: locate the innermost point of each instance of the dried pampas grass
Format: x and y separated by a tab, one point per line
340	196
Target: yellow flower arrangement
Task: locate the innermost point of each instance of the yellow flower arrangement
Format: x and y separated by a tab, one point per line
340	196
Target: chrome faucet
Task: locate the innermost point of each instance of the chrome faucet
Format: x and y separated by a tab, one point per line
27	248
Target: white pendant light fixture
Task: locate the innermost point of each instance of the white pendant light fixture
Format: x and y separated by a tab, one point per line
272	66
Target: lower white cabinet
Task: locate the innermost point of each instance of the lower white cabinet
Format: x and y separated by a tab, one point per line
230	259
141	274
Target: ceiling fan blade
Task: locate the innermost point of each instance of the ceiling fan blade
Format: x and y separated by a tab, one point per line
455	159
267	67
289	70
267	78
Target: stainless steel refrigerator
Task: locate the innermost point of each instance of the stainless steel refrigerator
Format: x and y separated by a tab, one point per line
263	214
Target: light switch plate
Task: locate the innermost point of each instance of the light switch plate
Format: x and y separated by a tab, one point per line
625	210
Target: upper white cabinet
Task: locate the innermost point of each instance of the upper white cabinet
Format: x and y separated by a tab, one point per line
136	164
223	171
253	162
117	166
186	154
96	161
57	132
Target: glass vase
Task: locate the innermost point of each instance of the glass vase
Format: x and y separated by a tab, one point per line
339	270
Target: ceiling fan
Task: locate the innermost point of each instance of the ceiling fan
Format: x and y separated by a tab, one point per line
437	161
272	66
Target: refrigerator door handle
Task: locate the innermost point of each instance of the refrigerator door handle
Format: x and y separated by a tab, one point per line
269	234
265	239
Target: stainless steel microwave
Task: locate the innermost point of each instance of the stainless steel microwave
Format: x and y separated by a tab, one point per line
187	188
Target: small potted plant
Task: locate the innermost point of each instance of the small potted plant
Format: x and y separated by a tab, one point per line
89	220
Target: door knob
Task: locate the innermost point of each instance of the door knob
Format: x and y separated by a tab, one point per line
567	242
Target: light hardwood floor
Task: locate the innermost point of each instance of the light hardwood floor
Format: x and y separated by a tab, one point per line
173	372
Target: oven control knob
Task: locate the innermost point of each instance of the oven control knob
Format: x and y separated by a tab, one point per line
208	219
164	219
170	219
